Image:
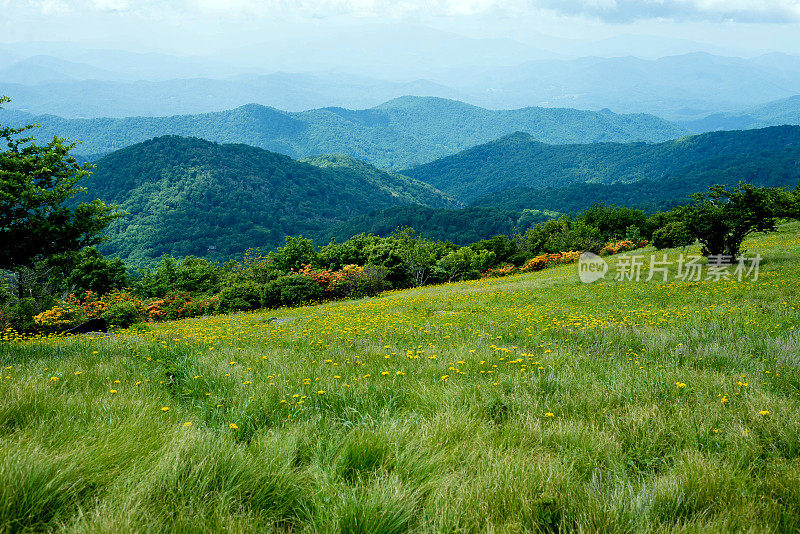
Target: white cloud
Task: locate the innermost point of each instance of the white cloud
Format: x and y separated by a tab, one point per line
606	10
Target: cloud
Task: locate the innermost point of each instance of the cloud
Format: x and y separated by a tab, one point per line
616	11
680	10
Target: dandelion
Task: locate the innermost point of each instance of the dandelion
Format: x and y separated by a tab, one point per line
78	372
165	409
763	412
680	384
400	373
234	426
187	423
385	373
320	392
549	414
113	391
724	400
54	379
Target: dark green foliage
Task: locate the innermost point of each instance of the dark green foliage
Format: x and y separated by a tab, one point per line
519	161
121	314
91	271
397	134
777	168
561	235
462	226
505	250
290	290
297	252
193	197
36	184
193	275
720	218
674	234
240	296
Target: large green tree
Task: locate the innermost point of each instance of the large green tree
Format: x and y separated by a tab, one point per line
721	218
37	183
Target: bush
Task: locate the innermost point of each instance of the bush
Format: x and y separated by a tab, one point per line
241	296
674	234
121	314
290	290
56	319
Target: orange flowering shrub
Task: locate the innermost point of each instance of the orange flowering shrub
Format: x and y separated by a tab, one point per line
60	317
623	246
543	261
348	282
505	270
75	309
325	279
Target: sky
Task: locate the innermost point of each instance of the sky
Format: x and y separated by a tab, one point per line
201	27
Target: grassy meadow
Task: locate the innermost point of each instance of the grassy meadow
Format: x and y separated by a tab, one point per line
521	404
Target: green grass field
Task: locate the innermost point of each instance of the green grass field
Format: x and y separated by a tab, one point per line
523	404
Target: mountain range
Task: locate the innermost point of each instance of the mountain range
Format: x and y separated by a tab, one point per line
188	196
784	111
397	134
685	87
519	160
191	196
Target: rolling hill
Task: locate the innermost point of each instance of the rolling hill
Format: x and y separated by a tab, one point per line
397	134
779	112
779	168
519	161
188	196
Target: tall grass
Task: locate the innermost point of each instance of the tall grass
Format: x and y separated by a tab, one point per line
528	404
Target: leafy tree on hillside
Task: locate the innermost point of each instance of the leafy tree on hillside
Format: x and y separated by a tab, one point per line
721	219
36	184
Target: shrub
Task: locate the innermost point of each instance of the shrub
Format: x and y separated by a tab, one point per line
241	296
290	290
58	318
543	261
674	234
622	246
121	314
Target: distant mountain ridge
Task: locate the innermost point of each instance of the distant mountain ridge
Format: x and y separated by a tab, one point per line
518	160
776	113
400	133
188	196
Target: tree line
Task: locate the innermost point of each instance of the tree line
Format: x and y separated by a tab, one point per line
54	276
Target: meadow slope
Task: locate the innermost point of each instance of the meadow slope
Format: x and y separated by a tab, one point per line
528	403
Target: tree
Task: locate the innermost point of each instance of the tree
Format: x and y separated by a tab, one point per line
721	219
36	184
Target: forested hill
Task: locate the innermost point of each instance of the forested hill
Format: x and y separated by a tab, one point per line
405	189
776	113
191	196
400	133
518	160
776	168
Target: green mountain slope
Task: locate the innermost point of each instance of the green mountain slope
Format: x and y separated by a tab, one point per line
403	188
780	168
520	161
191	196
460	226
785	111
400	133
